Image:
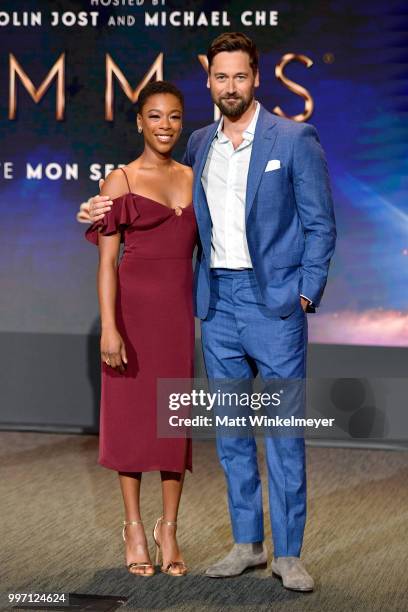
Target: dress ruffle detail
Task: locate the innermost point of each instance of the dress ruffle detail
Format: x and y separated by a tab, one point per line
122	214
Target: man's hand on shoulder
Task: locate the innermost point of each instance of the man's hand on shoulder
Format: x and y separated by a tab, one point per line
82	215
95	208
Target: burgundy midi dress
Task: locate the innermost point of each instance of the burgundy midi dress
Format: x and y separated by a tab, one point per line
154	315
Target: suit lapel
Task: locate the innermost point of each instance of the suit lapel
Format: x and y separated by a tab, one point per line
264	140
201	208
201	158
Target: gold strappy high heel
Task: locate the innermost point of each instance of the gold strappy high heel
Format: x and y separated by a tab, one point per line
169	569
137	564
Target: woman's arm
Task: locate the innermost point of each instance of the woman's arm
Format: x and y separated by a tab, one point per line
113	351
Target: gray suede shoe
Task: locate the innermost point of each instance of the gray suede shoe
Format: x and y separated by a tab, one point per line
240	557
293	574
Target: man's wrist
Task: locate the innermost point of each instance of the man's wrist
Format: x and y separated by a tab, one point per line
307	304
310	302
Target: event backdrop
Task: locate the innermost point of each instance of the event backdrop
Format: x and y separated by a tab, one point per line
69	73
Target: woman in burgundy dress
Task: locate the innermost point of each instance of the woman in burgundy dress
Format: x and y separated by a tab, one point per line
146	320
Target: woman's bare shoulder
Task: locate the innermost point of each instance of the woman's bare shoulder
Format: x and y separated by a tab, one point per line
187	171
115	184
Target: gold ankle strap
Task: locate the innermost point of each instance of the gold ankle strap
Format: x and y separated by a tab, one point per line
126	523
174	523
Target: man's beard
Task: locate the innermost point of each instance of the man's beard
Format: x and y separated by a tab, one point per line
238	109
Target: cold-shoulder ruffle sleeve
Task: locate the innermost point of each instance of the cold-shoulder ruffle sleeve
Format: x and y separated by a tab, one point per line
121	216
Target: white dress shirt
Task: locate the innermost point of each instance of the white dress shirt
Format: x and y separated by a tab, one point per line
225	181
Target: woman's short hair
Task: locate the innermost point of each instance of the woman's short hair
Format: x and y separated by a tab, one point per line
158	87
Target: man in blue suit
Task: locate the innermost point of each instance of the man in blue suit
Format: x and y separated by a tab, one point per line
267	233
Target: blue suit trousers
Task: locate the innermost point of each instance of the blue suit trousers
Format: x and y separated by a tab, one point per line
240	338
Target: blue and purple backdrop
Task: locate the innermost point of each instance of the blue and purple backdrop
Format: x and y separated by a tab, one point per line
358	82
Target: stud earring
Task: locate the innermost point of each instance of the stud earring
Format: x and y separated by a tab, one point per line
139	129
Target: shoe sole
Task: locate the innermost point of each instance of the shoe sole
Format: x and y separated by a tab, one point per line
249	568
291	588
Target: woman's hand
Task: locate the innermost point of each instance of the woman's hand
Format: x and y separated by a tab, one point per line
113	351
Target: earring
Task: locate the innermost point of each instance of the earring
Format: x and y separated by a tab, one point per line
140	129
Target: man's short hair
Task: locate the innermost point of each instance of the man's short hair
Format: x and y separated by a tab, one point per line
234	41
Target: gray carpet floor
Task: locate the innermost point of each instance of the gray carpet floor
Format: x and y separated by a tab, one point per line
61	519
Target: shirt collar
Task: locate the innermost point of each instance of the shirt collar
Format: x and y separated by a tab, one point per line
248	133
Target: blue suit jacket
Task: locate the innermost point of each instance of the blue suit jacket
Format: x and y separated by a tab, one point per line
290	223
